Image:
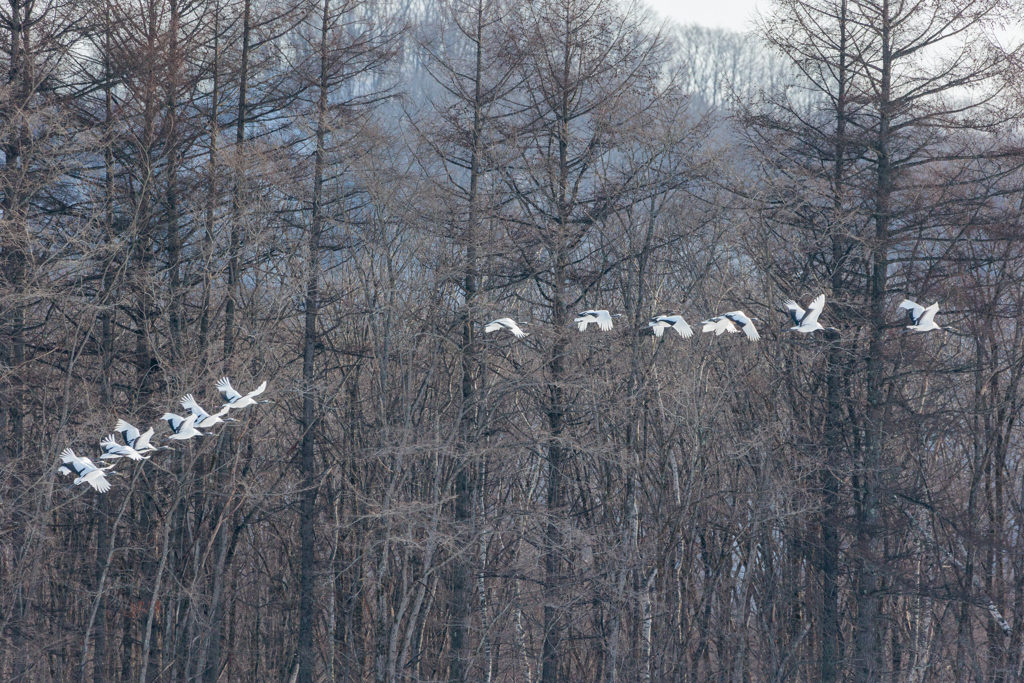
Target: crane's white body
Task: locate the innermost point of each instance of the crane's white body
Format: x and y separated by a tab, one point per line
660	323
203	418
234	399
184	427
805	321
113	450
137	440
601	317
84	470
923	319
727	322
506	324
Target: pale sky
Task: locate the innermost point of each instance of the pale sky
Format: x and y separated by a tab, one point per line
737	14
730	14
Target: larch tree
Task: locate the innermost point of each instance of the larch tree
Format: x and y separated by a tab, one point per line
346	44
470	58
591	73
901	95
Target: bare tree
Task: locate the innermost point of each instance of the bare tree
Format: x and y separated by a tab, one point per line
847	172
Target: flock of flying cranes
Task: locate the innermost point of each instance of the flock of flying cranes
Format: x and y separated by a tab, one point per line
922	320
184	428
137	443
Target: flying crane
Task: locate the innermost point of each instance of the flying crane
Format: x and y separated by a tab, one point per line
235	399
135	439
184	427
203	418
84	471
506	324
658	324
601	317
806	322
113	450
727	322
922	319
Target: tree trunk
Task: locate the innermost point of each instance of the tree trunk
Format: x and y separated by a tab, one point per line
307	466
831	633
869	626
461	585
237	197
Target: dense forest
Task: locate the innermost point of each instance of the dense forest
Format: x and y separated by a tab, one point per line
335	196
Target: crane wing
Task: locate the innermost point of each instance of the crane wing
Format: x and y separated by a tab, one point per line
684	329
721	324
745	323
584	319
227	391
657	326
258	390
188	402
112	449
97	480
143	440
915	311
223	411
795	312
928	316
681	326
814	310
80	465
718	325
88	464
71	463
130	433
173	420
516	330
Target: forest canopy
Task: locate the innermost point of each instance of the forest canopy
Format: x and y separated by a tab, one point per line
336	197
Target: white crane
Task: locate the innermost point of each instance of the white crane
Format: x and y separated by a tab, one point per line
727	322
659	323
805	321
135	439
203	418
235	399
84	470
602	318
184	427
113	450
506	324
923	319
718	325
